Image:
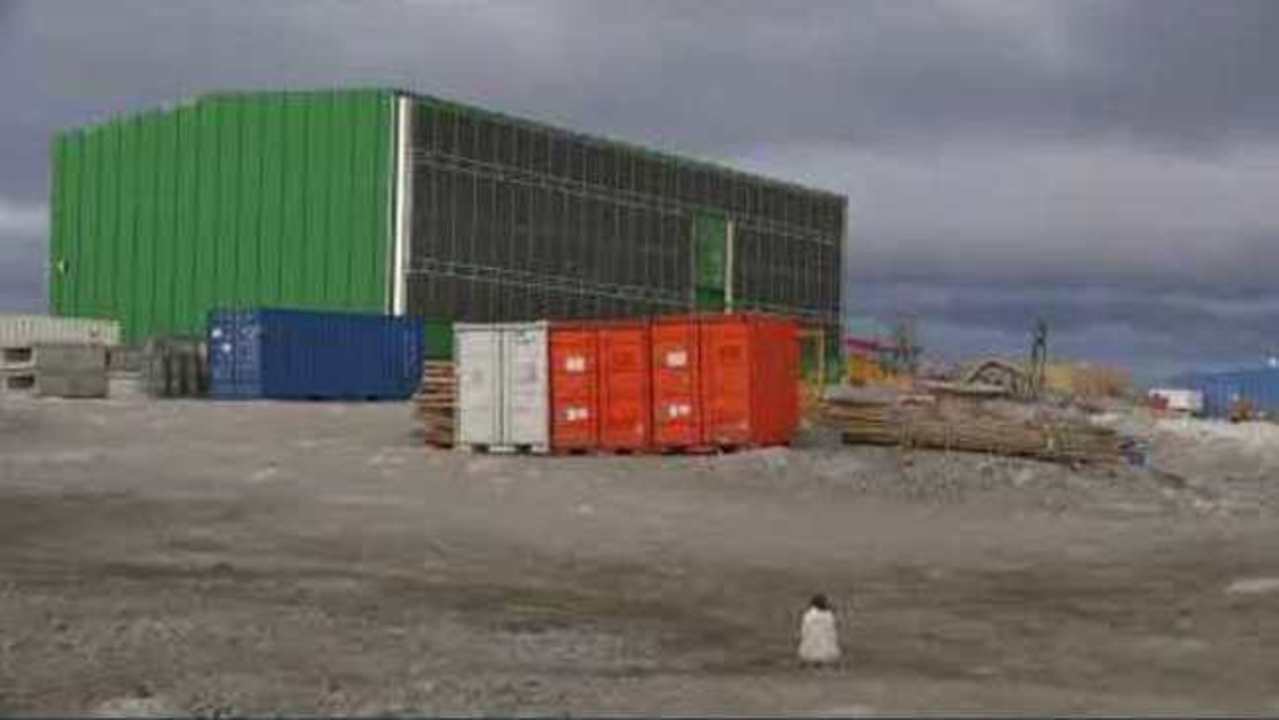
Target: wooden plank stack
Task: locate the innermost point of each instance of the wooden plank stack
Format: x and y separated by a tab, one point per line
923	426
436	401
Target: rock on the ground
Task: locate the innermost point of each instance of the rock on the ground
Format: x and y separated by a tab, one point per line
1253	586
155	706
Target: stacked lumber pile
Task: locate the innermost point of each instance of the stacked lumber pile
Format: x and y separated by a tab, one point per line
928	425
435	402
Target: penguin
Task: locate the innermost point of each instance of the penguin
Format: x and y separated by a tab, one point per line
818	634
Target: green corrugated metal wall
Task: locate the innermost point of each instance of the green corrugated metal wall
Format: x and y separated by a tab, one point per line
710	232
710	242
439	339
278	199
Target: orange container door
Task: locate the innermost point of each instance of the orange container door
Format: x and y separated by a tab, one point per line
574	389
625	403
775	382
727	354
676	406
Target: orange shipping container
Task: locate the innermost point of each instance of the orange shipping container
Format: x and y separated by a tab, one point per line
775	394
624	400
749	373
676	400
679	383
574	358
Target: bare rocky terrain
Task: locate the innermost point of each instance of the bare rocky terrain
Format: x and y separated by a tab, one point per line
177	557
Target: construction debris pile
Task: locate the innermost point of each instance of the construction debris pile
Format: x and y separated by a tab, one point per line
943	422
55	357
435	402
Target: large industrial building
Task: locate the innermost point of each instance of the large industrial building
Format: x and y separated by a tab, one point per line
386	201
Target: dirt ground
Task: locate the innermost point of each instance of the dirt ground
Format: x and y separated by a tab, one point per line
312	558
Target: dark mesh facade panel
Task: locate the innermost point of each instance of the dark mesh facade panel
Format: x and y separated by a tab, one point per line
516	221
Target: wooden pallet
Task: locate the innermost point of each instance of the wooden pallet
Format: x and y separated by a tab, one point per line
435	403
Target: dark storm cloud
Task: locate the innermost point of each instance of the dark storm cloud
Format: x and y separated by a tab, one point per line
720	75
1127	146
1186	72
1177	75
22	240
21	266
1242	266
21	287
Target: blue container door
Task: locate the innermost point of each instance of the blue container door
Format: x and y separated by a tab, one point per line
235	359
221	354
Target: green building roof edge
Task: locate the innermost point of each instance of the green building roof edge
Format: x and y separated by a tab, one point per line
678	158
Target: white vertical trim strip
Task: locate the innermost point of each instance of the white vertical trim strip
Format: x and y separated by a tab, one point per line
403	204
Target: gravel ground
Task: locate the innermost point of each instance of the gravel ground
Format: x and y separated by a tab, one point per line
165	557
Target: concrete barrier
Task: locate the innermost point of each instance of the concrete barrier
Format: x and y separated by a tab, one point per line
83	385
61	359
70	370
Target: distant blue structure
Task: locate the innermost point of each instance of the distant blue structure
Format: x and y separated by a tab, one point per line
306	355
1222	390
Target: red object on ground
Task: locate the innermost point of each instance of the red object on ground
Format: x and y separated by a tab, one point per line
677	383
575	416
676	409
749	373
624	378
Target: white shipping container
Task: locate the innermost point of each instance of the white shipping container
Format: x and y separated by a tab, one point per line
525	404
503	384
1180	399
23	331
478	358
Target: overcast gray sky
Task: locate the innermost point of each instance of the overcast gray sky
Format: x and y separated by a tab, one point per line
1113	166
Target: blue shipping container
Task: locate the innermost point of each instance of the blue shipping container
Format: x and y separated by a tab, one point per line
301	354
1260	387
